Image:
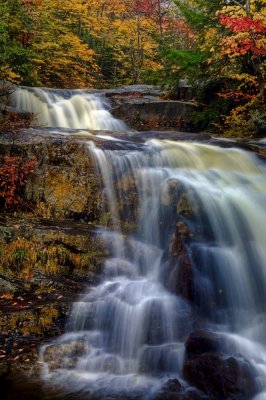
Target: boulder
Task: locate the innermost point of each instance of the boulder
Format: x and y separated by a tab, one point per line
144	113
174	390
221	377
134	90
64	183
44	264
178	269
63	355
202	341
216	374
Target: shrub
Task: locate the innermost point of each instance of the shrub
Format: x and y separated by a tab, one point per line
14	173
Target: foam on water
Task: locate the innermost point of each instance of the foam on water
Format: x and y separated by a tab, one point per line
131	327
74	109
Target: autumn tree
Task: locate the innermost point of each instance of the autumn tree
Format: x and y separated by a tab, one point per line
15	52
123	35
230	40
243	49
62	57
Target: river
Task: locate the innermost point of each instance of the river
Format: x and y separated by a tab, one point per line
193	206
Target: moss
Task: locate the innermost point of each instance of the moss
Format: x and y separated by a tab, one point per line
22	258
30	321
47	316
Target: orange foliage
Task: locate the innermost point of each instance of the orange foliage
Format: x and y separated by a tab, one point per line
236	95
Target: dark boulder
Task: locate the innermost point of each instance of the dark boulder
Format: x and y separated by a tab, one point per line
221	377
202	341
174	390
177	271
217	375
173	385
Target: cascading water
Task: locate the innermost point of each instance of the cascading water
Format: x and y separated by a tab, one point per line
126	336
187	228
73	109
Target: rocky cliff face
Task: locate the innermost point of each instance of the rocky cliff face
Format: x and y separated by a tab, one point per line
145	107
64	183
152	113
49	250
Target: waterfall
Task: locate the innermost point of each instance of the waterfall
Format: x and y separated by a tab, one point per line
126	335
73	109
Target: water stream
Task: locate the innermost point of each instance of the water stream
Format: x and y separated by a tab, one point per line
126	336
74	109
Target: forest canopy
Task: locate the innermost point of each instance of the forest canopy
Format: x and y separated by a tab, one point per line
219	46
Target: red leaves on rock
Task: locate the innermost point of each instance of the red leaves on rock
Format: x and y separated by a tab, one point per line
14	174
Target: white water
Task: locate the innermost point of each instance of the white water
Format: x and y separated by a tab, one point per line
74	109
132	328
126	336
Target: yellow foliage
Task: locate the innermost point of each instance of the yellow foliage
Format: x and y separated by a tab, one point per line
233	11
239	123
29	321
246	78
47	315
6	74
22	258
64	59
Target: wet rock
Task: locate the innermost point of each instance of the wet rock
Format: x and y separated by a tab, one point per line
183	206
127	204
173	385
153	113
168	396
202	341
220	377
134	90
216	374
174	390
6	286
63	355
185	279
63	183
192	394
44	264
46	259
177	271
179	239
171	192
